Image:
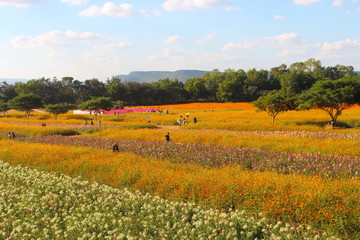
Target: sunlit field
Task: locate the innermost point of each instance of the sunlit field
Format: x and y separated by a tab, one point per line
294	179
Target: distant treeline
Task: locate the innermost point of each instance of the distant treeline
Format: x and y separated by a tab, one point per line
215	86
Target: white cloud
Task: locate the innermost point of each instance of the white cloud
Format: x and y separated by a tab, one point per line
172	5
286	38
290	52
108	51
154	13
278	41
55	39
305	2
120	45
18	3
342	51
167	53
342	45
182	59
338	3
230	8
75	2
279	17
172	39
110	9
243	45
204	38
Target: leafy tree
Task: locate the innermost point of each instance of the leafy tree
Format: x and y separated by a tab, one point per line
296	81
231	88
4	107
56	109
95	88
332	96
256	83
195	87
168	91
115	88
26	103
138	93
276	103
212	81
97	105
7	91
339	71
40	87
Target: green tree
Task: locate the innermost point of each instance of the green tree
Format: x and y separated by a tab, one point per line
332	96
115	88
97	105
231	88
168	91
7	91
212	81
26	103
339	71
195	87
56	109
257	81
4	107
276	103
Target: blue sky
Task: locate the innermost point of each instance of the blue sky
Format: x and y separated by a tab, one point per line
88	39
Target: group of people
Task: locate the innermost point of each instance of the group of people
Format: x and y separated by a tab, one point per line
91	122
11	135
185	121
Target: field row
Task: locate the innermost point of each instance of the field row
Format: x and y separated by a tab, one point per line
39	205
333	143
330	204
314	164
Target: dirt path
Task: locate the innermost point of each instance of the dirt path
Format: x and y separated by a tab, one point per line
169	127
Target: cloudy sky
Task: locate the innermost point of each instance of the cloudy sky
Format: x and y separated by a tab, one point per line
88	39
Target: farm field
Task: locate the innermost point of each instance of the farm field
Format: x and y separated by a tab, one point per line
240	175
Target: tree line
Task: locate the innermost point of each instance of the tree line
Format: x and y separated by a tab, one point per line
215	86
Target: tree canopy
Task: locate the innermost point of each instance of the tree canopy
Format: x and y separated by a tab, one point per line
228	86
332	96
56	109
276	103
97	105
26	103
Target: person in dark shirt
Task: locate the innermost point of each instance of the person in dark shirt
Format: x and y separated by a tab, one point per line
116	148
167	138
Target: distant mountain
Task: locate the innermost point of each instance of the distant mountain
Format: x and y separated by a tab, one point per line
13	80
153	76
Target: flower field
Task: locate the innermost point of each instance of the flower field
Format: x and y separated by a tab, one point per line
39	205
293	179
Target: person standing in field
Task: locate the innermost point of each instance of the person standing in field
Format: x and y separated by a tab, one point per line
167	138
148	119
195	120
179	121
116	148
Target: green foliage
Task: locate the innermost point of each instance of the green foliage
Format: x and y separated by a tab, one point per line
56	109
97	105
4	107
275	103
26	103
332	96
227	86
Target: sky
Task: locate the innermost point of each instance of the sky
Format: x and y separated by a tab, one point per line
87	39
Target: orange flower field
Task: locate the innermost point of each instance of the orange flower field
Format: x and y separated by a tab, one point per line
203	162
